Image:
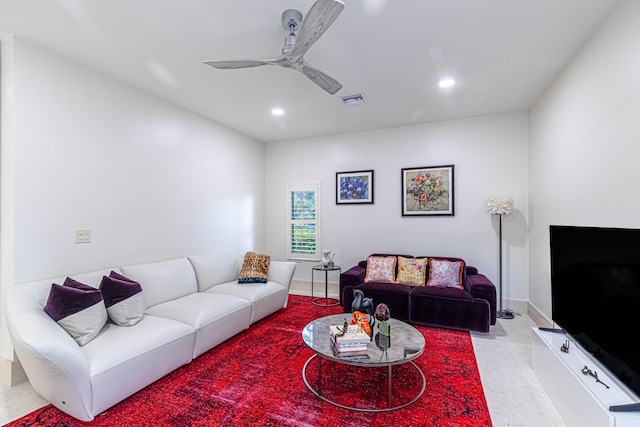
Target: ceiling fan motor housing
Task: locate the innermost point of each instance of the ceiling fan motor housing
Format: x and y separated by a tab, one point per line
291	20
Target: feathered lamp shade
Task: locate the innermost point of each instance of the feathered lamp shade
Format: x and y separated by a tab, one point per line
501	205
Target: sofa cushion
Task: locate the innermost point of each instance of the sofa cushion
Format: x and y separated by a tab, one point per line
392	288
381	269
163	281
253	294
213	269
445	273
214	317
78	308
265	298
454	308
411	271
255	268
122	361
441	292
123	299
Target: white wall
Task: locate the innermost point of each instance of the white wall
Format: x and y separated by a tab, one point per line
584	150
489	155
152	181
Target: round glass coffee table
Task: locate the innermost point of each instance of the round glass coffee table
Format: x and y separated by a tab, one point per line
405	344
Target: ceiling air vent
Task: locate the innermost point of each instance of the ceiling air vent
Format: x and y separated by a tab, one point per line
351	100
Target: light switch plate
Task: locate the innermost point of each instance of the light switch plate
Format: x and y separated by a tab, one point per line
83	236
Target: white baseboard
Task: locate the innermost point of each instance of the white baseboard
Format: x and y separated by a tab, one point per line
518	306
302	287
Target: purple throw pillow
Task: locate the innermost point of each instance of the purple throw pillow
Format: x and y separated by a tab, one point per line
123	299
78	308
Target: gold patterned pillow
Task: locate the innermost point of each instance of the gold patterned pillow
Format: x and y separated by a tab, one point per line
411	271
255	268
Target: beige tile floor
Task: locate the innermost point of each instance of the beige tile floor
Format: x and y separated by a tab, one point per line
514	395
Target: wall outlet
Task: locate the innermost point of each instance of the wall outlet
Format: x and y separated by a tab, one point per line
83	236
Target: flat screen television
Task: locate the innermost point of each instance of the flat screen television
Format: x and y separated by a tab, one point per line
595	291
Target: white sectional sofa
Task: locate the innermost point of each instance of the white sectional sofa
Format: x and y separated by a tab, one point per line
192	304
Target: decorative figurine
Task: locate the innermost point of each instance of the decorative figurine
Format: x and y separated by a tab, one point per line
594	374
565	347
364	305
360	303
345	327
327	258
383	342
362	320
382	314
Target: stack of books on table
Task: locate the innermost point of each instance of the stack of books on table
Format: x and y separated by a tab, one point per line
353	342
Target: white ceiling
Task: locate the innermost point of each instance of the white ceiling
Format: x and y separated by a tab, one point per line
502	53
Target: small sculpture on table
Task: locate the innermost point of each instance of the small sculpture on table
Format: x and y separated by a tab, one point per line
382	314
363	305
594	374
383	342
362	320
360	303
345	327
327	259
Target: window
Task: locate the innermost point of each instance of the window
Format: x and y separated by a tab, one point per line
303	221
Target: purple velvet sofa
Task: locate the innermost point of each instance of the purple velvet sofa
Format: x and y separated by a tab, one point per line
472	308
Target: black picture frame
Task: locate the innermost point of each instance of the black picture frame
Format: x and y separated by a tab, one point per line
428	191
354	188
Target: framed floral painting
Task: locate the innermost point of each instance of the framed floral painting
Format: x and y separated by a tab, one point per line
354	187
427	190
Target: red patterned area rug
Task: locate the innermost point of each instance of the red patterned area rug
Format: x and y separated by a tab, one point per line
254	379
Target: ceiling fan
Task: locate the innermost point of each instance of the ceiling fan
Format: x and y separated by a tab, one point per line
319	18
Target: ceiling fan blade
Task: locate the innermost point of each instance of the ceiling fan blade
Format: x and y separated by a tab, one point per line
242	63
319	18
326	82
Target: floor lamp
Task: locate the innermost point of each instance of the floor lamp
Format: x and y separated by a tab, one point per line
500	205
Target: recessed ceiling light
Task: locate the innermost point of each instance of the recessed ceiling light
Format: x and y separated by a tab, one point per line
446	83
277	112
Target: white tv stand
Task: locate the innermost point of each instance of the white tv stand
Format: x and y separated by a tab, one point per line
580	399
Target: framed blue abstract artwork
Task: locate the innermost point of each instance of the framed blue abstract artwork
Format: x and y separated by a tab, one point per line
354	187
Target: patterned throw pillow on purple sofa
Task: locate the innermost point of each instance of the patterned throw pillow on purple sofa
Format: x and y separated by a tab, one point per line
77	308
381	269
123	299
411	271
445	273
